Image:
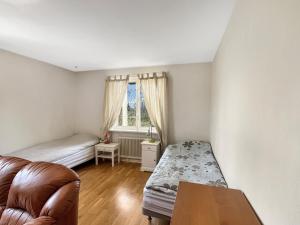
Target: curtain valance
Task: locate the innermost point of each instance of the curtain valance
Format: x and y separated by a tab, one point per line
154	75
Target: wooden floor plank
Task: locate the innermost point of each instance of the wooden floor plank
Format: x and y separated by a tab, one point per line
112	196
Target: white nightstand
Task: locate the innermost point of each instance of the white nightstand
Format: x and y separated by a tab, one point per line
150	155
107	151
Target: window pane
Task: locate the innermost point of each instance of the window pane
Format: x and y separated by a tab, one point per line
131	105
127	116
145	120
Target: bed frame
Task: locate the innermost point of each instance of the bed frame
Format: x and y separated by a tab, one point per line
148	211
151	214
78	158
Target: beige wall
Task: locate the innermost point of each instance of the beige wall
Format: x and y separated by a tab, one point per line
188	96
40	102
36	102
255	126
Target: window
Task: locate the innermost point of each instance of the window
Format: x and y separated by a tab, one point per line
134	115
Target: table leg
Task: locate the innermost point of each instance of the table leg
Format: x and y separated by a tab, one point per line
113	158
119	155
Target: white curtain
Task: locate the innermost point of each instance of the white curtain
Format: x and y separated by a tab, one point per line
154	88
115	89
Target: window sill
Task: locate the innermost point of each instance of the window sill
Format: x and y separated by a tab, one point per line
128	130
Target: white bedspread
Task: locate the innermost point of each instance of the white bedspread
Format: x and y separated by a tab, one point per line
56	149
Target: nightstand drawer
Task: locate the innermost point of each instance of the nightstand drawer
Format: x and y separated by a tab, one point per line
149	148
105	149
149	158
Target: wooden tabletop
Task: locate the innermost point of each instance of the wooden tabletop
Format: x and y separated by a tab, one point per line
109	145
198	204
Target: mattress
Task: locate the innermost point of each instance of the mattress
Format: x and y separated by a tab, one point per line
56	150
158	202
191	161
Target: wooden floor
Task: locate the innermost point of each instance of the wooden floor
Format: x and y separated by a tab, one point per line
112	196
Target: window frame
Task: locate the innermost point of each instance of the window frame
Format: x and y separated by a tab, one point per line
138	127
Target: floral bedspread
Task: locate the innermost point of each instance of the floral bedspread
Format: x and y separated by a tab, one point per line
191	161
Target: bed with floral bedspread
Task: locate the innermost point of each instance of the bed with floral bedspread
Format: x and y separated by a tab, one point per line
191	161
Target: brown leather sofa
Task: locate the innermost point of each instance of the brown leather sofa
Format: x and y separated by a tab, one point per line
37	193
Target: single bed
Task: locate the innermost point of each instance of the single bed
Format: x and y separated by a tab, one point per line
191	161
70	151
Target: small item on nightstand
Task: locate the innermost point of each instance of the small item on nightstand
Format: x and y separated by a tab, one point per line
149	134
107	137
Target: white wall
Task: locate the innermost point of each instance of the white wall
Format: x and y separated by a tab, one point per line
41	102
255	128
188	96
36	102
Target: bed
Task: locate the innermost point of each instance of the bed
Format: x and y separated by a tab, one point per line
191	161
70	151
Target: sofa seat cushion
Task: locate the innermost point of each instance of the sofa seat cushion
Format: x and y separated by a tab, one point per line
15	216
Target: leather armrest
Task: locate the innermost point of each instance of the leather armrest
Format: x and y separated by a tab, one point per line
43	220
61	202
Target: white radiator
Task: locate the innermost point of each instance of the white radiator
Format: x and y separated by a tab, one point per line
130	147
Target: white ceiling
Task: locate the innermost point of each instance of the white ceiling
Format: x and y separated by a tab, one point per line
103	34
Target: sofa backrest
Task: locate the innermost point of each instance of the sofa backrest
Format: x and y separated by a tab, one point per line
30	190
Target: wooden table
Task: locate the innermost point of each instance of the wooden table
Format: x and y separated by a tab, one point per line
107	151
198	204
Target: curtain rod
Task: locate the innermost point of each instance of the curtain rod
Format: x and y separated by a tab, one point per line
118	77
152	75
140	75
